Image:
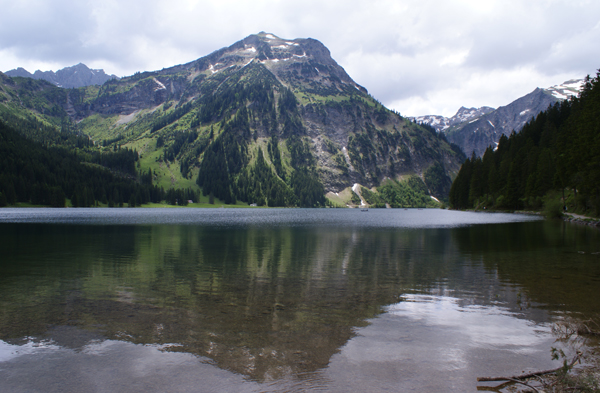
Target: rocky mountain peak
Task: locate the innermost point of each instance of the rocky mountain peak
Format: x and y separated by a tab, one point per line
467	114
295	63
20	71
441	123
75	76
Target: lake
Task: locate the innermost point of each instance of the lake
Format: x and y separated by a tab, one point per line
261	300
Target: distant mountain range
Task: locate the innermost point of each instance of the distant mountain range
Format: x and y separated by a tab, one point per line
441	123
69	77
475	129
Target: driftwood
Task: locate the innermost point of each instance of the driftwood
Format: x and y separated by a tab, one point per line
528	375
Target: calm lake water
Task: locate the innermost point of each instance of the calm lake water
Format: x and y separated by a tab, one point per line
261	300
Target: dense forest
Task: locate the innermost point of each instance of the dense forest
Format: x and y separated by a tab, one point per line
226	170
555	155
40	175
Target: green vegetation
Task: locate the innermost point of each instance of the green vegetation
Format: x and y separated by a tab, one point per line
553	205
372	198
225	172
557	152
101	128
437	180
32	173
39	130
411	192
407	193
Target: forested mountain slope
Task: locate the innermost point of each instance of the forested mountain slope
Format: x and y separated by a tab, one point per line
558	150
30	172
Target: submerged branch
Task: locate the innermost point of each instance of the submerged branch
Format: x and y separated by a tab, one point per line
529	375
524	383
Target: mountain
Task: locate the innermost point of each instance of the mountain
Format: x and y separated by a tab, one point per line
441	123
483	127
266	120
552	162
69	77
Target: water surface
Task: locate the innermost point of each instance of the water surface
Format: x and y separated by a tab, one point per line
283	299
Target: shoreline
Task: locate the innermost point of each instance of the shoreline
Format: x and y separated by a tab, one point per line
581	220
568	217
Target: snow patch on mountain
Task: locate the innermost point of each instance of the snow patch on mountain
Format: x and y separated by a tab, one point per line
441	123
560	96
160	85
566	89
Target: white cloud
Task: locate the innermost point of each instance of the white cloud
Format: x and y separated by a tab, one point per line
419	57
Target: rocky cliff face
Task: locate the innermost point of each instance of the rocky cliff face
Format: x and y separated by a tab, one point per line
69	77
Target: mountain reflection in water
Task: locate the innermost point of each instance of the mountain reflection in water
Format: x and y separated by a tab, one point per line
285	305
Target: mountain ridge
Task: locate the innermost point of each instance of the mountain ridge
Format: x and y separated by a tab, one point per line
484	128
75	76
442	123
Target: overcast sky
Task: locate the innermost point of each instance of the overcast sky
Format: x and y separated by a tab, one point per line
418	57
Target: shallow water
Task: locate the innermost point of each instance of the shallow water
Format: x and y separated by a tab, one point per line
283	299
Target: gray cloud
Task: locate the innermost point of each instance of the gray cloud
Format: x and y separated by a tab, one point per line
418	57
37	29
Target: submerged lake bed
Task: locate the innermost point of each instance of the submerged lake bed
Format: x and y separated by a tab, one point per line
284	299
